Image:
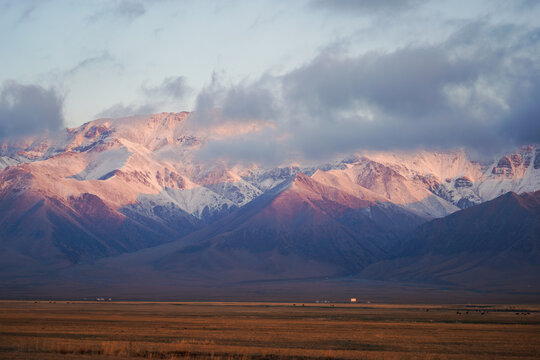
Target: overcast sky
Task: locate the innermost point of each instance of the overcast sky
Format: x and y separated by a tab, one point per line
319	76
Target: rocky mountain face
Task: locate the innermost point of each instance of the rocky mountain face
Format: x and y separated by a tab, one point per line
114	186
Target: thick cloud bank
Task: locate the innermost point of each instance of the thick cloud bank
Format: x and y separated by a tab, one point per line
28	109
479	89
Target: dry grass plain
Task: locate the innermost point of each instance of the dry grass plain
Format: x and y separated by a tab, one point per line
126	330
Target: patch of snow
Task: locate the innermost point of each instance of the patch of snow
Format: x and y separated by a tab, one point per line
6	161
102	164
197	201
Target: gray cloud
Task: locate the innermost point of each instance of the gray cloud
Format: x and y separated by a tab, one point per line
120	110
366	6
526	5
126	9
478	89
255	148
456	93
130	8
249	102
27	13
29	109
244	102
171	87
522	125
89	62
407	81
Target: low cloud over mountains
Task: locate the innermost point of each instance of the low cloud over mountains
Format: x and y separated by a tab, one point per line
471	90
29	109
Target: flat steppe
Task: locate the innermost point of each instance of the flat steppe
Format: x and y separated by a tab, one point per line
168	330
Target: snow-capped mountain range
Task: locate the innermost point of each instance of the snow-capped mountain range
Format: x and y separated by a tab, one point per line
146	163
132	193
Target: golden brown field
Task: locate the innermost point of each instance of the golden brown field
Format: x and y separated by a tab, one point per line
120	330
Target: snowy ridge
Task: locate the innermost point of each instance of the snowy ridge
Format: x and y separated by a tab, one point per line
144	162
6	161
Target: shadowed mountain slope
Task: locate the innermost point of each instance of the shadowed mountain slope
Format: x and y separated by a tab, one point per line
494	244
307	230
41	232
